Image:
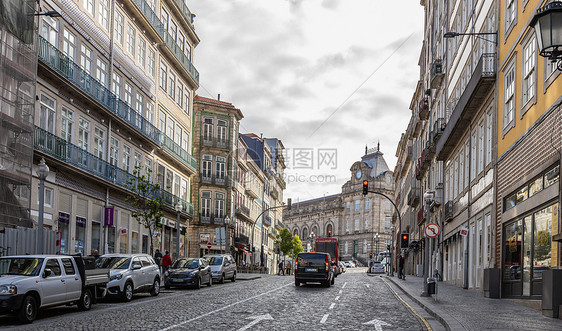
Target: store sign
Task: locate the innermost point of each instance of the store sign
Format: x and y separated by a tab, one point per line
64	217
204	238
108	216
464	231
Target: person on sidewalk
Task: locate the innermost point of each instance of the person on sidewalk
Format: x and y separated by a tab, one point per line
288	268
401	268
166	263
281	271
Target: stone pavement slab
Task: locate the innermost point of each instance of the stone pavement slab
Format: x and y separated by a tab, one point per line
460	309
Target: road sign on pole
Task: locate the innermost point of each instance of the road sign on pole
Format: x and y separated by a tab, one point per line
431	230
209	245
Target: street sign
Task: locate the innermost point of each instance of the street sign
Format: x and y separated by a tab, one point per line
431	230
209	245
464	231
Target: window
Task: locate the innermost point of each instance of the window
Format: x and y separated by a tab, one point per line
461	170
356	225
142	52
126	158
480	147
172	89
99	143
151	61
221	131
48	198
207	129
116	88
366	223
69	44
53	264
489	130
179	96
49	31
129	94
170	128
148	167
165	19
131	33
357	205
114	152
510	13
367	203
206	204
456	179
149	114
219	205
90	7
119	27
103	17
347	226
529	70
206	165
86	59
163	76
68	267
466	165
83	133
101	70
473	156
181	41
509	97
221	167
173	30
177	134
532	187
186	101
139	104
347	205
67	123
138	160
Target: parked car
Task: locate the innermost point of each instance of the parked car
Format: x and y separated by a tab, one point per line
189	272
131	273
376	267
30	282
314	268
342	267
223	267
347	264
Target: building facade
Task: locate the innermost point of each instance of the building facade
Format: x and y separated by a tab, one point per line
115	87
362	223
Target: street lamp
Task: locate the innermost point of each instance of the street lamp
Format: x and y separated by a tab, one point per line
179	207
453	34
377	236
226	224
428	199
311	237
548	30
42	173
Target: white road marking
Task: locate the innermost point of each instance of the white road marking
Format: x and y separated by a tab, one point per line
256	319
332	305
223	308
344	285
324	318
377	323
340	292
337	298
367	285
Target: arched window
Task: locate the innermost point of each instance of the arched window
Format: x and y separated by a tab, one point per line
329	231
315	231
304	233
296	232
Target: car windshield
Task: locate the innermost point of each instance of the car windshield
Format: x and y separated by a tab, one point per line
113	262
214	260
186	263
310	259
20	266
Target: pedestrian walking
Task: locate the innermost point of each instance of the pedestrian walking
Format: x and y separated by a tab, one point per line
166	262
288	267
281	269
401	268
158	258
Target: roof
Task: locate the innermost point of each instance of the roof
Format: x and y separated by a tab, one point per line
374	159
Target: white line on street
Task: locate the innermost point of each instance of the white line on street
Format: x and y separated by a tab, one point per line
337	298
256	319
344	285
340	292
332	305
223	308
367	285
324	318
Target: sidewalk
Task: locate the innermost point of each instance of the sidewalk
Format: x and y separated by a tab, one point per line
460	309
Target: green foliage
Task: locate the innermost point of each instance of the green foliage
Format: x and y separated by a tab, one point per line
285	241
146	202
297	247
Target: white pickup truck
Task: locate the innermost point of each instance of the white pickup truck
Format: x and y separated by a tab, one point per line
30	282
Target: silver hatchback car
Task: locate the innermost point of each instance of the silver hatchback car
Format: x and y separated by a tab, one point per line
223	267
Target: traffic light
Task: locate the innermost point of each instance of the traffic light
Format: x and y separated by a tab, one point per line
365	187
329	233
371	256
404	240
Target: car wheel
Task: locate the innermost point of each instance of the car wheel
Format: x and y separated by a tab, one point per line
233	279
85	302
221	280
28	310
127	294
198	284
210	283
297	283
155	287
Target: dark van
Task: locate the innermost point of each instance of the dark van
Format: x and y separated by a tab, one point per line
314	268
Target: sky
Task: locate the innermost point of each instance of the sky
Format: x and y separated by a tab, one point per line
326	77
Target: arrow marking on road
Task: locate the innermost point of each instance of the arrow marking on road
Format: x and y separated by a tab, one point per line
344	285
377	323
340	292
324	318
337	298
332	305
256	319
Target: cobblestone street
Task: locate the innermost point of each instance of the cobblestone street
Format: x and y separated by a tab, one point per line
356	301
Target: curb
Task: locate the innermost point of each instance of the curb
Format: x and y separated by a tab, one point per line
427	309
248	278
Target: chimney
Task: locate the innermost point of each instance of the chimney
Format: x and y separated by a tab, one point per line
219	97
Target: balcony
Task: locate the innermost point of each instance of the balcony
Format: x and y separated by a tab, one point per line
216	142
242	239
423	109
421	216
416	126
179	153
210	219
438	128
72	155
184	10
279	224
266	220
243	211
413	198
220	180
206	179
274	193
405	165
73	73
281	181
480	85
448	211
436	75
172	47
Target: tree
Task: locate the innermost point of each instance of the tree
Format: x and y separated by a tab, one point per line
146	201
285	241
297	247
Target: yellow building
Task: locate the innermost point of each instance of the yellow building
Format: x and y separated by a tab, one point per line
528	154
